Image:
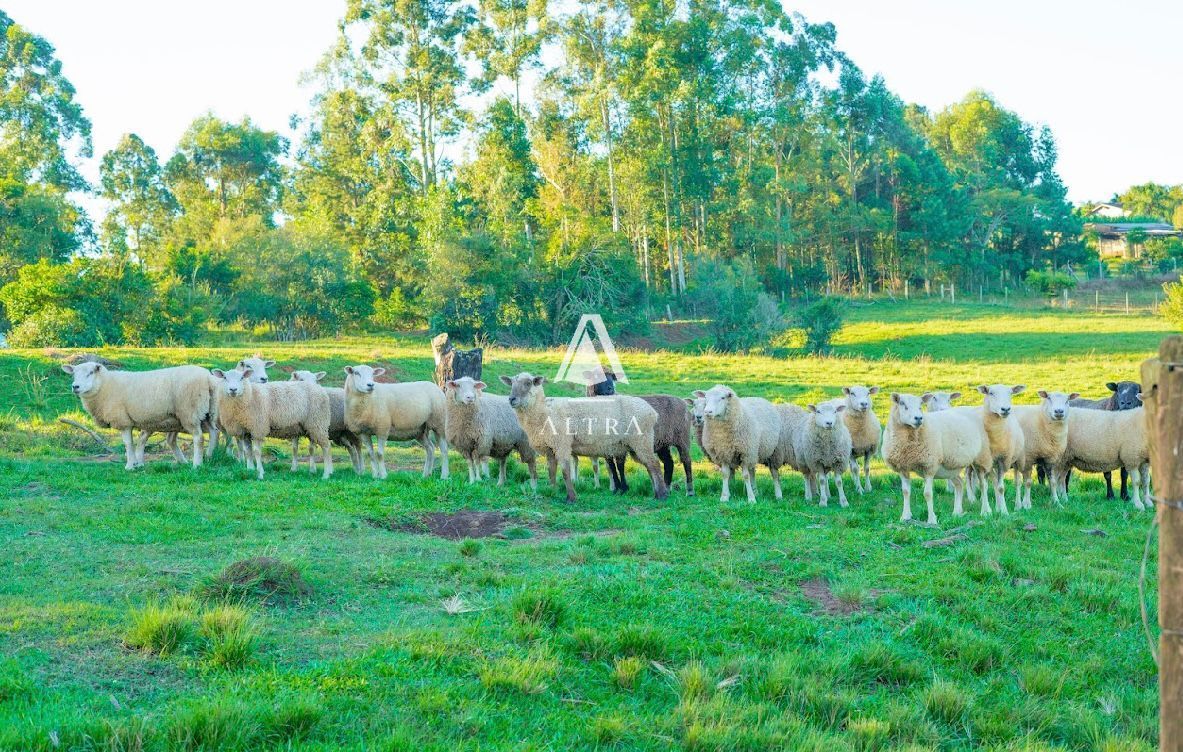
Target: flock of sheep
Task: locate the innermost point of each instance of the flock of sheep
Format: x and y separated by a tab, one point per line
972	447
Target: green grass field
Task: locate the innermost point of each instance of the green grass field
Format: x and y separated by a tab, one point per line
611	623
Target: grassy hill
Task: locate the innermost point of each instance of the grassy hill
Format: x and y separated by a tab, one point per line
613	623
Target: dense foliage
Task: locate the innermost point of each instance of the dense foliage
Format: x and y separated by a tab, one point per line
665	156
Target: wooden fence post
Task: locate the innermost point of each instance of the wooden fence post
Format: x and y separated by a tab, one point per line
1162	393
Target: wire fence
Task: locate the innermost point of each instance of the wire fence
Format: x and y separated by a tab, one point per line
1134	300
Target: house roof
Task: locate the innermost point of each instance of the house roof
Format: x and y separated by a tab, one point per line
1121	228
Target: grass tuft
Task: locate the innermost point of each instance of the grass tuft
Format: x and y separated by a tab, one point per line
884	664
946	702
641	641
263	578
470	548
528	675
544	608
869	734
162	629
627	671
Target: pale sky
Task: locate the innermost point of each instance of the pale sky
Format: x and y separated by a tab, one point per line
1102	75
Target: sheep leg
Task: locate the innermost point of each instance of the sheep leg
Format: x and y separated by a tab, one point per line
1109	485
1000	488
842	502
1025	493
595	462
807	477
1147	499
129	448
967	487
296	453
532	465
567	479
1018	488
170	439
326	449
354	449
501	470
1135	484
552	467
928	499
867	471
986	511
1125	492
257	453
776	489
687	468
474	470
242	452
725	495
142	442
855	474
382	456
905	491
667	465
444	470
429	457
749	473
211	427
823	482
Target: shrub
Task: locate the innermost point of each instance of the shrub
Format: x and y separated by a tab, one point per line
742	314
1171	307
51	326
1050	283
820	321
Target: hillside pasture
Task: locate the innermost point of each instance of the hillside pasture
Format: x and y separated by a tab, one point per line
432	615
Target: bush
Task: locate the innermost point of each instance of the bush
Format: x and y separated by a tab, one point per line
1050	283
821	321
52	327
742	314
1171	307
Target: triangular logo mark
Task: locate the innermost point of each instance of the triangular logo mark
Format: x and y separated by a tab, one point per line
583	363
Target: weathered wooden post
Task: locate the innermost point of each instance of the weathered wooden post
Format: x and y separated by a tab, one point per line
451	363
1162	394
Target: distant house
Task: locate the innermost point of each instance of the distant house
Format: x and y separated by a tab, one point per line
1107	211
1113	238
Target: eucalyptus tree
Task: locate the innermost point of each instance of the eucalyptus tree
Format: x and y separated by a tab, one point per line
142	207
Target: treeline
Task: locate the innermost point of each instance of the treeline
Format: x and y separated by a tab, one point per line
714	158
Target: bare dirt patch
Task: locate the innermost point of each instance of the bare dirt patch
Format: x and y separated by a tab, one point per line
76	358
466	523
818	591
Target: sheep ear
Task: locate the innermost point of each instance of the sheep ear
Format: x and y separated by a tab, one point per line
812	408
1111	386
1018	389
319	375
241	364
379	371
217	373
615	376
268	363
699	393
955	395
539	380
873	390
349	370
295	377
1074	395
506	380
839	408
846	390
68	369
450	384
246	372
1042	393
688	401
1140	398
480	385
895	397
926	397
983	389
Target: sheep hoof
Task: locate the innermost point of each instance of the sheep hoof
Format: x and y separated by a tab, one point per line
844	503
932	521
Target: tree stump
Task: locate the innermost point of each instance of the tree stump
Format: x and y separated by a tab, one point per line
451	363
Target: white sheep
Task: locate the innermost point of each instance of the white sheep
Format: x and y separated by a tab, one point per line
741	432
938	401
1045	436
612	427
258	367
1005	436
410	411
865	431
170	400
338	433
821	446
482	426
253	412
1103	441
934	445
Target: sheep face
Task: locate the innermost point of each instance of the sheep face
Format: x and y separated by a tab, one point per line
464	390
88	377
698	406
524	389
998	398
1055	404
858	398
906	408
307	376
827	414
362	378
258	368
717	401
1125	394
603	383
937	401
234	381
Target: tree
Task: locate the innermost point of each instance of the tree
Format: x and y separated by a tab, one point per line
142	206
508	39
411	57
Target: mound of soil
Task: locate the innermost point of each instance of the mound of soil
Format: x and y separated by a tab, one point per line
76	358
466	523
